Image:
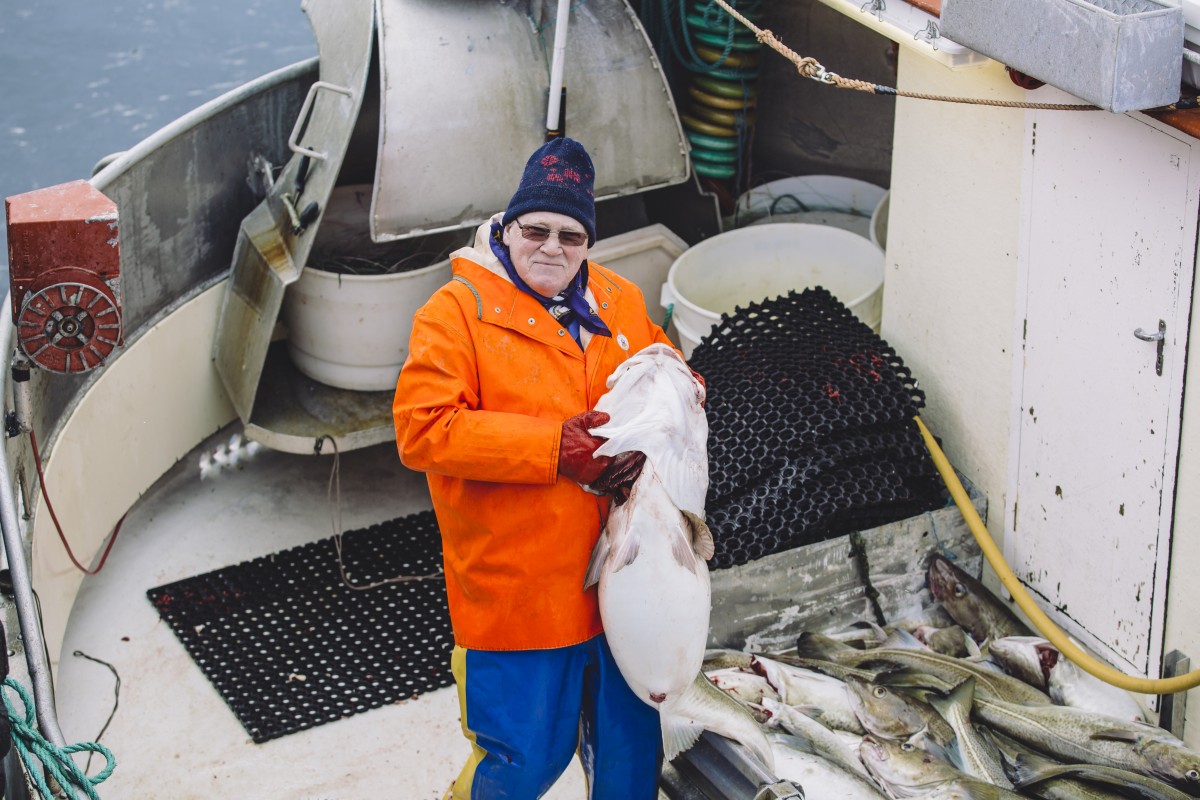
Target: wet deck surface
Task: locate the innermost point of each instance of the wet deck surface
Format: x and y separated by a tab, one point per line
173	735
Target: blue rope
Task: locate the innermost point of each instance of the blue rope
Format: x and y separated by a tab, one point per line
56	760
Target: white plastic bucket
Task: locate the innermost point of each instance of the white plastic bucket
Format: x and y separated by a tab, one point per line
758	262
819	199
351	331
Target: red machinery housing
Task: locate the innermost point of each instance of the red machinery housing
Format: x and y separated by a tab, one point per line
65	276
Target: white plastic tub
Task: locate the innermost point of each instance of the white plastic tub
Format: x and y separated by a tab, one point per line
351	331
817	199
759	262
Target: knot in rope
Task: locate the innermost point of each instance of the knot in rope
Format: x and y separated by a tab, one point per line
31	744
809	67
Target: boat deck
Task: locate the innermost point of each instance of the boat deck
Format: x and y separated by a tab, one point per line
173	735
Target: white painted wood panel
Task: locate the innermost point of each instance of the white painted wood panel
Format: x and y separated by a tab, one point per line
1109	236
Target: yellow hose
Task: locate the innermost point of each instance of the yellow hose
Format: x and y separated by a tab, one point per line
1180	683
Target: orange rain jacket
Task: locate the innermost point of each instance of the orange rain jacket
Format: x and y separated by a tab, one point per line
489	379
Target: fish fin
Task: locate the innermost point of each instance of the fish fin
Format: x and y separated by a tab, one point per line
627	553
923	740
679	734
681	547
814	712
974	651
1117	735
821	647
596	562
903	640
961	697
1020	769
702	538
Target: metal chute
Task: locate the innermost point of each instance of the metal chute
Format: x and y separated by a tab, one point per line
464	104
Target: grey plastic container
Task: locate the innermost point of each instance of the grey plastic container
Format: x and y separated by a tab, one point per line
1121	55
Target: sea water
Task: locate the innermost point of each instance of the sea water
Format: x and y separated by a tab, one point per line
81	80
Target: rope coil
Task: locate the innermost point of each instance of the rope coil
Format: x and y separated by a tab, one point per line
56	760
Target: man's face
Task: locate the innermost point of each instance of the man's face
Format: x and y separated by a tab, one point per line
547	266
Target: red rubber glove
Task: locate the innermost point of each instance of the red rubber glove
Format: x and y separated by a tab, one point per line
577	447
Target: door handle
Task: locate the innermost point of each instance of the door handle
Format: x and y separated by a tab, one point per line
1159	336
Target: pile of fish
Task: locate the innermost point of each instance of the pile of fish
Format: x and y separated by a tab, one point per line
978	709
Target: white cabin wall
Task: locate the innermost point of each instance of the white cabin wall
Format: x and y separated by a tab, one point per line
1183	591
951	301
950	287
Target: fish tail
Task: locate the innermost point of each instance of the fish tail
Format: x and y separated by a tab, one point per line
708	708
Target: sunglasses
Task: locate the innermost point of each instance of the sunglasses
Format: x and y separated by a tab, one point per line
540	233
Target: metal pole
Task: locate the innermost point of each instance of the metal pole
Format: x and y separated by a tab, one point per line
556	68
18	566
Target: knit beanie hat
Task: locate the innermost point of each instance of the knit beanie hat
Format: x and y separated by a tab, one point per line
558	177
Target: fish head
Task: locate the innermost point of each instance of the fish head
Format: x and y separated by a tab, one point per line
651	359
902	764
881	710
746	686
1169	761
950	641
971	604
945	581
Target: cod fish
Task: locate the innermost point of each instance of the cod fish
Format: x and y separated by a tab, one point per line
969	602
1037	662
904	769
951	670
649	562
1128	784
1055	788
965	789
798	686
897	716
1075	736
818	776
822	741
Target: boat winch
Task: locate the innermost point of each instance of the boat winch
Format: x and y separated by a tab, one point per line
65	276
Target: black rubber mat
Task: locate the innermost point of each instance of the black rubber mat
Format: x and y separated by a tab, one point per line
811	431
289	646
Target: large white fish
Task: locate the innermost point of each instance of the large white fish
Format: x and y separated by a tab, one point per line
650	560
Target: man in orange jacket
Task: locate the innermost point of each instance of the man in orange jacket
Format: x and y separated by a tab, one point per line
494	403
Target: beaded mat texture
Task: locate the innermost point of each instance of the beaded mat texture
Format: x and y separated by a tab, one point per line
289	646
811	431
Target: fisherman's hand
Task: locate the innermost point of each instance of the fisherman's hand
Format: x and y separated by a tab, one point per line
577	448
618	478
